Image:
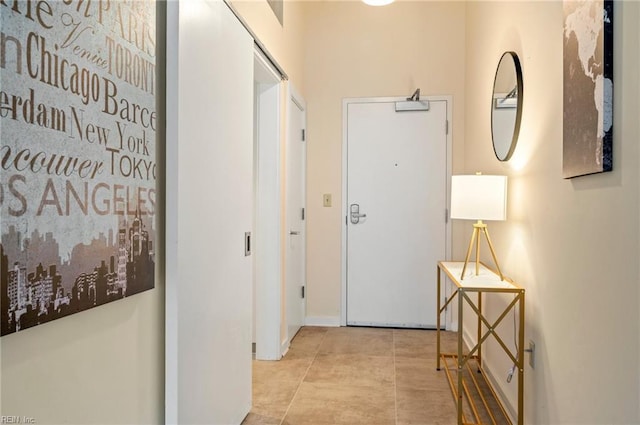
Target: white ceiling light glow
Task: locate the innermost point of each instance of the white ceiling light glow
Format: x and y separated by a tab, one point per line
378	2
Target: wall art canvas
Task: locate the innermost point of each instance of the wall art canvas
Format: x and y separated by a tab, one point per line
77	155
588	87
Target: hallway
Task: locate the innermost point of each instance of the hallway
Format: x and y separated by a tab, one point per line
350	376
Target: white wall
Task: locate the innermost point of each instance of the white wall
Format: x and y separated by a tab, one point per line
354	50
102	366
572	244
285	42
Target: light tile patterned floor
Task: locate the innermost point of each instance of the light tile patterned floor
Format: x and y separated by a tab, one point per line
353	376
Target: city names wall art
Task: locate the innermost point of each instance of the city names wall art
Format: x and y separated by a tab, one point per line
77	155
588	87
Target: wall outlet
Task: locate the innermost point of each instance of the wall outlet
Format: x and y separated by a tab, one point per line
326	200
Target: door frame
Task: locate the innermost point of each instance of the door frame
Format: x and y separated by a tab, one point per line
294	99
267	238
345	198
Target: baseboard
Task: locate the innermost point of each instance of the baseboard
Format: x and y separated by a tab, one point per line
329	321
468	339
284	347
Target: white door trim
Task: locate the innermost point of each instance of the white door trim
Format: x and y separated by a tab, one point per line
345	201
171	199
267	211
294	96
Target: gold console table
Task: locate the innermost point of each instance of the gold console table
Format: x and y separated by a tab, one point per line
487	281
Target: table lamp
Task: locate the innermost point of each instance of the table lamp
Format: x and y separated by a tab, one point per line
479	197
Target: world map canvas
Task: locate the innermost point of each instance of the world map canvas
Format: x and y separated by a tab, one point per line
588	87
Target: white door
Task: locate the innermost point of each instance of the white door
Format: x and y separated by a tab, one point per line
396	212
295	251
209	203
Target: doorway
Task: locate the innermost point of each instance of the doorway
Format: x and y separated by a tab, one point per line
267	245
295	258
397	167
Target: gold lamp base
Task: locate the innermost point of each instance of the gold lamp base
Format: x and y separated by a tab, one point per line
478	227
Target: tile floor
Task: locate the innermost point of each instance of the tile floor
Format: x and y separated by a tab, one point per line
352	376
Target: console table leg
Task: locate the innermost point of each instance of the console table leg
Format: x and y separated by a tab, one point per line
521	361
460	358
479	331
438	320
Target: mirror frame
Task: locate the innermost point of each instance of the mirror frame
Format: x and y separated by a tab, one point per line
516	127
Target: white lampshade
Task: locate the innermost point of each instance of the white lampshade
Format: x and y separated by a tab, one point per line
479	197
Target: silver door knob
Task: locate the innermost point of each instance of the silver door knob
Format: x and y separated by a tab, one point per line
354	210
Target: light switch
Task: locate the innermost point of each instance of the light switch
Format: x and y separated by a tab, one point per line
326	200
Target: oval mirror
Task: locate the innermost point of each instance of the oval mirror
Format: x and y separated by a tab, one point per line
506	106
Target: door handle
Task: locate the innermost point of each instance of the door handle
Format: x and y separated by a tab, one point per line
294	232
354	210
247	244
